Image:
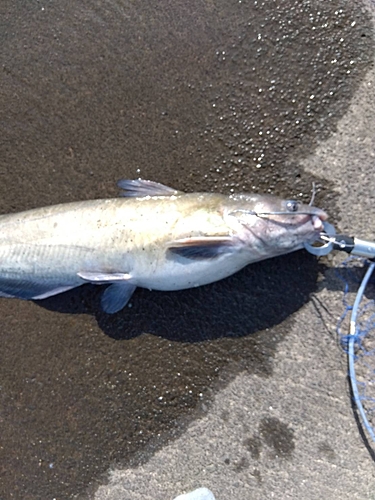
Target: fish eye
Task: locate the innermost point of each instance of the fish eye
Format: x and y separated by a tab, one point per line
292	205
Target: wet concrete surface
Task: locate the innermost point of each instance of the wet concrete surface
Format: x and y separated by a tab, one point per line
199	96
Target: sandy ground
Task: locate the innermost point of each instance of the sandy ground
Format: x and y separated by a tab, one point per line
241	386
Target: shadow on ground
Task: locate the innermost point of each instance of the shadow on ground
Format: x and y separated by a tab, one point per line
259	297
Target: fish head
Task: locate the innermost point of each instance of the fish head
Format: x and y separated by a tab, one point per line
274	226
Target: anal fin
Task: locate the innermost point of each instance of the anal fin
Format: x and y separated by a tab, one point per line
30	289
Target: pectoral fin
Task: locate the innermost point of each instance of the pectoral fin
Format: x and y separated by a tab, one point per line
138	188
116	296
202	247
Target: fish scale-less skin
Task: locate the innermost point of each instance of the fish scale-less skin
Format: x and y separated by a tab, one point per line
158	242
102	232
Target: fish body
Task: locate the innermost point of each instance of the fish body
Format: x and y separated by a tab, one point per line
153	237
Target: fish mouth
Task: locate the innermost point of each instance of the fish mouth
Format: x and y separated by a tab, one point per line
317	223
318	217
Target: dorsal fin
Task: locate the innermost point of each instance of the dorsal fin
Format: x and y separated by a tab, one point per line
138	188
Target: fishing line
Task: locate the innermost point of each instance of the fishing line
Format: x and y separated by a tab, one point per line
266	214
359	342
354	335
